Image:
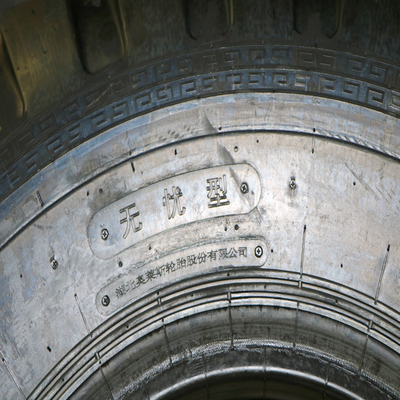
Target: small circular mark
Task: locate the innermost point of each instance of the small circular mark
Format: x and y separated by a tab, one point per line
341	265
236	149
258	251
20	275
105	301
354	184
257	141
87	193
219	128
104	234
272	250
101	190
236	227
292	184
313	129
54	263
150	247
120	264
226	228
244	188
49	349
176	152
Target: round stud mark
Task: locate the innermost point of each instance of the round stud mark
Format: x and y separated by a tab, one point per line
292	184
105	234
258	251
105	301
244	188
54	263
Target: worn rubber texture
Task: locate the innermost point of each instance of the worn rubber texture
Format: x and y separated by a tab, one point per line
136	58
200	199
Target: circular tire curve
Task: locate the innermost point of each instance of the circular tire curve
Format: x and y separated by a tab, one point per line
200	200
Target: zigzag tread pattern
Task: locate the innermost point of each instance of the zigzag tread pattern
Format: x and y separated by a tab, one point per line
326	73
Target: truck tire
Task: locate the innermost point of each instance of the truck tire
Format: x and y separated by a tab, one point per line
200	200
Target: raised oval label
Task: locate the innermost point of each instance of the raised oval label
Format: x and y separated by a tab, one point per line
173	202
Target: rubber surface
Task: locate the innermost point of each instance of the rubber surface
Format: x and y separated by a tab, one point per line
359	63
201	201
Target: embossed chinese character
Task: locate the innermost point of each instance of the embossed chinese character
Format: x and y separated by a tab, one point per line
181	263
133	284
232	253
217	190
212	255
170	267
172	202
140	280
129	220
150	275
224	253
243	251
162	270
158	272
121	290
202	258
191	260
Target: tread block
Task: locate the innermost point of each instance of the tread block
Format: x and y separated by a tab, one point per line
13	106
43	53
99	33
329	10
208	19
153	29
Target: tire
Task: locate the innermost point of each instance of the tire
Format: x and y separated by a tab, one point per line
200	200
